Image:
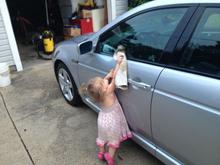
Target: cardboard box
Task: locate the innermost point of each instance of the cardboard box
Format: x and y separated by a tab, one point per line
67	37
75	32
86	13
70	30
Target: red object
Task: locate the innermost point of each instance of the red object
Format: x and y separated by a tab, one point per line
85	25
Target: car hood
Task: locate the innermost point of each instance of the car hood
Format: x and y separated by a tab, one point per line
82	38
76	40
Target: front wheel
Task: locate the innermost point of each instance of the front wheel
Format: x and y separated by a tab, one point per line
67	85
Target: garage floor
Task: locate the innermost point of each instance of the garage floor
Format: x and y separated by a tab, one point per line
38	127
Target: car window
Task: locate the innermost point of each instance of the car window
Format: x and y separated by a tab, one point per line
202	54
144	36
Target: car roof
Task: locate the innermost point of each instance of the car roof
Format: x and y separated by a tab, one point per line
157	3
174	2
160	3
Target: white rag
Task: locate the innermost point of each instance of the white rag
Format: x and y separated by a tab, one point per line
121	78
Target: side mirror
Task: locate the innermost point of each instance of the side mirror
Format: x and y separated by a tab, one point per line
85	47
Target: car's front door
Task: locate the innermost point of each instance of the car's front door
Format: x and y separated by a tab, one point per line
186	106
145	37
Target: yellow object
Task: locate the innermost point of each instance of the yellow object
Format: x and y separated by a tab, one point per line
86	13
48	45
89	3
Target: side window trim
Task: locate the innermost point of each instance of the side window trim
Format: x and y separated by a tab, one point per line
184	40
189	29
178	33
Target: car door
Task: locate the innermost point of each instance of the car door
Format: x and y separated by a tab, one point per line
145	37
185	105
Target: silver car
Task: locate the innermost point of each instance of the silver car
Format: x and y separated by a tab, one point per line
173	101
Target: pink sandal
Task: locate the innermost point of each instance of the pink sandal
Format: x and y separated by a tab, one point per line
100	155
109	159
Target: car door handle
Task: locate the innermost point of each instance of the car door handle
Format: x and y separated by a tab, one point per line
140	84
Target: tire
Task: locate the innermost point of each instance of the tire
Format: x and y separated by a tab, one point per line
67	85
44	56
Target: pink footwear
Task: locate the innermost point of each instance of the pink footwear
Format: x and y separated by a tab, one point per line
100	155
109	159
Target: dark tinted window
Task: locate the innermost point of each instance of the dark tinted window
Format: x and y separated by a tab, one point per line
203	51
144	36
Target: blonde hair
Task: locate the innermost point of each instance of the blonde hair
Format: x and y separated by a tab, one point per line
120	48
93	88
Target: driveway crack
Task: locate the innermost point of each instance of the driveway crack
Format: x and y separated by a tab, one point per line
19	135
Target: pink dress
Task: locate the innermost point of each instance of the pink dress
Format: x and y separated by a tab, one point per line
112	126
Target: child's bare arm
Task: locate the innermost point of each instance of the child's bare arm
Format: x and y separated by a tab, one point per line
109	75
120	57
116	69
112	84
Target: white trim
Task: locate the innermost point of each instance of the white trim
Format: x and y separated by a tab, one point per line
111	10
157	3
10	34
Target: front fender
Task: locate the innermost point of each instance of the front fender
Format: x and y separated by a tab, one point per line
67	52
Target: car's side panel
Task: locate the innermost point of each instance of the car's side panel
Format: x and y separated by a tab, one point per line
191	103
91	65
145	143
136	100
178	118
186	117
67	53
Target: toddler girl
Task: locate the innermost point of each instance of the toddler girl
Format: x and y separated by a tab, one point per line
112	125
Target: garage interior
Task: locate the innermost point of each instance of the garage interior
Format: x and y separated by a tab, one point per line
29	17
65	19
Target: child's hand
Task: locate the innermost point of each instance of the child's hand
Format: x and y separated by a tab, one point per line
120	57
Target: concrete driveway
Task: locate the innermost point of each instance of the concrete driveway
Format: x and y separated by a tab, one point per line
39	127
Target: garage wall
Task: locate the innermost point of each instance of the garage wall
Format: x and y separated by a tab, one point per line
75	3
116	8
121	7
5	50
67	7
66	10
8	46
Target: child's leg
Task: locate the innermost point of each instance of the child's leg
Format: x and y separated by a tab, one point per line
102	149
109	156
112	151
101	144
101	152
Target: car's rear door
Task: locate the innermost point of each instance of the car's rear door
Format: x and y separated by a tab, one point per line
145	36
185	105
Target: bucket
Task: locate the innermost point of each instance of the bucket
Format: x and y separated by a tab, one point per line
48	45
48	41
4	75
